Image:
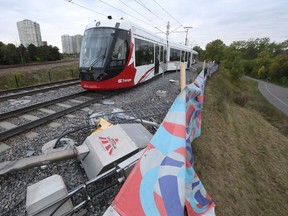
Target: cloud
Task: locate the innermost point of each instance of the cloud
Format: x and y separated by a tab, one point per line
228	20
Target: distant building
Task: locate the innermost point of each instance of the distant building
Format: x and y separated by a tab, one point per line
29	33
71	44
78	41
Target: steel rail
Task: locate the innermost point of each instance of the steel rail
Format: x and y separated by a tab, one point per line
17	130
37	106
36	86
37	91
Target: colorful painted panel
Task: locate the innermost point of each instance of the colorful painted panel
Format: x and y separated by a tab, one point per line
163	181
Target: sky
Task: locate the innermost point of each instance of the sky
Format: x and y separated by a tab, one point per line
227	20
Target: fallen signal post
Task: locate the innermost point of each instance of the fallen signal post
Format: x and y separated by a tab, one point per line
109	151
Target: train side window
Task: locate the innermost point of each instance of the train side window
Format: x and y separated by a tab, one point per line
174	54
144	52
165	55
189	59
120	51
161	53
182	56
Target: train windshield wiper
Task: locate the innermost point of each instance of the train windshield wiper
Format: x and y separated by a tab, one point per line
96	61
101	57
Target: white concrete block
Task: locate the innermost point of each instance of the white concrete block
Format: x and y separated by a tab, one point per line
63	105
7	125
54	124
47	192
3	147
31	135
48	111
30	117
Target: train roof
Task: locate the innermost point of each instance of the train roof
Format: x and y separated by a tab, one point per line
137	32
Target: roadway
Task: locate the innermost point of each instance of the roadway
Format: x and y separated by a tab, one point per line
276	95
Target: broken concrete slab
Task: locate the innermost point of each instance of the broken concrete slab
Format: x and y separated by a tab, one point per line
31	135
161	93
70	116
86	109
54	124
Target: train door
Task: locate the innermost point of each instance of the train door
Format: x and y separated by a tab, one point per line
157	59
189	60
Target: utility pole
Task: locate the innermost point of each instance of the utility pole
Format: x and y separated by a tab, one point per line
187	29
167	38
167	32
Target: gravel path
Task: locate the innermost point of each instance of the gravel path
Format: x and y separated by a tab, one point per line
13	186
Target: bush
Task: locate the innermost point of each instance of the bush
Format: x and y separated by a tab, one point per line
241	99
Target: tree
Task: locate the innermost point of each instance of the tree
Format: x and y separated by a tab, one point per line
279	66
32	52
200	51
237	70
215	50
55	53
23	54
263	62
10	55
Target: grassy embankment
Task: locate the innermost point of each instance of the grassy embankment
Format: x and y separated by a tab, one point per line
28	77
242	154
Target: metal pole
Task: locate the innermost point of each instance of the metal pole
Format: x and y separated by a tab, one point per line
182	76
26	163
187	29
16	80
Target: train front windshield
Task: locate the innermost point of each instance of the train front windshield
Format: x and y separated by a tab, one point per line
103	51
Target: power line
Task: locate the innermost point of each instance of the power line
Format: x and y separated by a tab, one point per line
131	15
123	12
85	7
167	12
135	11
144	6
71	1
142	16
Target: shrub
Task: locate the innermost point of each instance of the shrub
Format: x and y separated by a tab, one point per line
241	99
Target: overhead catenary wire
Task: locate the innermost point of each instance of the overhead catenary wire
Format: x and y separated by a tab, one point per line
140	3
135	10
144	6
130	15
142	16
167	12
122	11
71	1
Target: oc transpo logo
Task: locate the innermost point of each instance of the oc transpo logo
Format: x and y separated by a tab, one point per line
109	144
124	80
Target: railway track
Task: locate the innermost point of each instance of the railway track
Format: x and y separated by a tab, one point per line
13	186
20	92
80	100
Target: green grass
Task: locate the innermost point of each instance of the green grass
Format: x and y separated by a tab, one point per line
242	155
28	78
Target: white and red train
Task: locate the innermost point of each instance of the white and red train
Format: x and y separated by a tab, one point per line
118	54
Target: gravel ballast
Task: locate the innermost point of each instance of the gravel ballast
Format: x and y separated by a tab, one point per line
13	186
